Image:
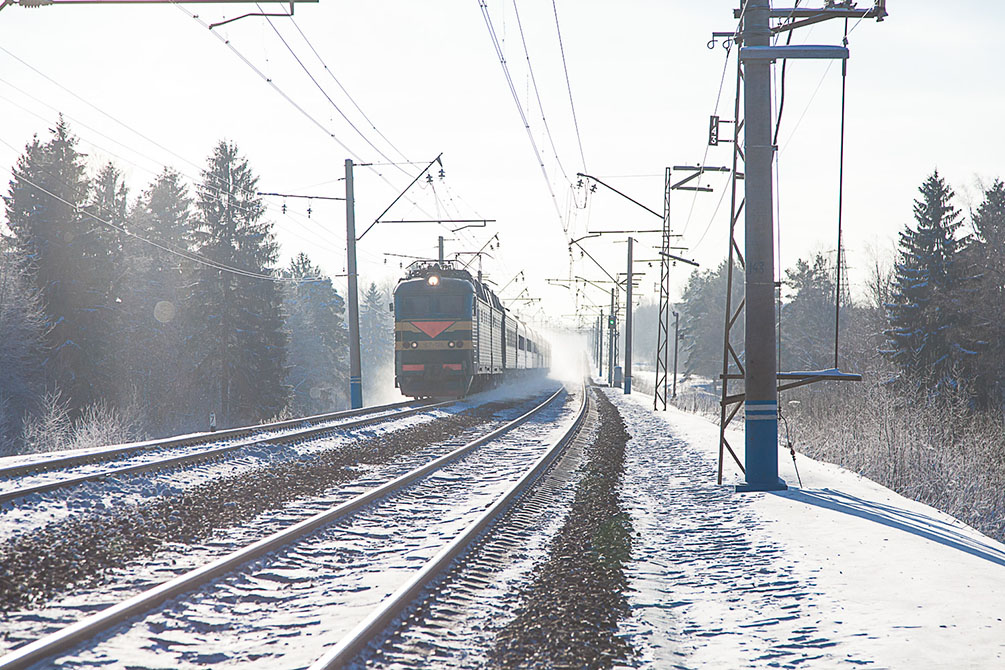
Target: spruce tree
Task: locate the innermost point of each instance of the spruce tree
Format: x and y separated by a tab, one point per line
318	370
22	348
233	314
149	342
929	314
72	259
988	254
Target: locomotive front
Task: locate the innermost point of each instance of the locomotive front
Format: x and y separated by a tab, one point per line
433	347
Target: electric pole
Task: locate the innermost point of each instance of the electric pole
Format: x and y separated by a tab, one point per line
600	344
628	320
612	329
355	374
759	371
676	341
760	385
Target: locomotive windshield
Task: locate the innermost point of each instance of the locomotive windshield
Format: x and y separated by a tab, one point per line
433	306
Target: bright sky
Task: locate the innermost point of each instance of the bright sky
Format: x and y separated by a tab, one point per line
924	91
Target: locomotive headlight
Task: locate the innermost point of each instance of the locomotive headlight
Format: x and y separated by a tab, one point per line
415	345
433	280
458	344
451	344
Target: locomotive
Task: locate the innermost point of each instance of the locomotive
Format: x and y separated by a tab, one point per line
452	336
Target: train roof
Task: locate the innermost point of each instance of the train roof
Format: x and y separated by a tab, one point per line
422	270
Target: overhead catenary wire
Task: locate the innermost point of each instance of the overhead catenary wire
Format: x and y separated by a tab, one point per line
568	84
704	159
328	97
345	92
537	92
516	100
271	82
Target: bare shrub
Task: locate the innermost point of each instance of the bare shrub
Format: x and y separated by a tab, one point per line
98	425
50	429
101	424
937	450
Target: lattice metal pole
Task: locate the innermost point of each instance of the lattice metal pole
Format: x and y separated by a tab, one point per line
662	339
734	257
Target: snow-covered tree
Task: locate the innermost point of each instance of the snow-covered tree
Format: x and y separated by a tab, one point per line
72	259
149	337
988	254
929	314
22	348
236	339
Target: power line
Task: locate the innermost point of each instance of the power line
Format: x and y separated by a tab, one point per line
516	100
537	93
292	102
704	160
342	88
568	84
187	255
319	240
328	97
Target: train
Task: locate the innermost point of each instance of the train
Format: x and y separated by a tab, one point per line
452	335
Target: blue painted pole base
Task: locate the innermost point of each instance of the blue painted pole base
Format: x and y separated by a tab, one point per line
355	393
778	485
761	438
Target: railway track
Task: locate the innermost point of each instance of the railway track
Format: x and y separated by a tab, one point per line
283	432
460	474
34	464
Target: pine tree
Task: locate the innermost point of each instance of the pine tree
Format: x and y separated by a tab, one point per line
235	321
318	369
928	316
72	260
149	343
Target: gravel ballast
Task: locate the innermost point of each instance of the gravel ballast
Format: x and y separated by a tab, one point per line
79	552
569	614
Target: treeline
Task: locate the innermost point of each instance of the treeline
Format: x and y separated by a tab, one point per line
135	316
930	324
928	338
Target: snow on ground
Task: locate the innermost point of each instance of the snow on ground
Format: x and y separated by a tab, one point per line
841	572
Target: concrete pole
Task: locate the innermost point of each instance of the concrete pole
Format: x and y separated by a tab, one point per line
676	340
600	345
355	374
441	250
761	415
628	322
612	331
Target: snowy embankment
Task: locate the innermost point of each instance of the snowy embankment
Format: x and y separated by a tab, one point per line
838	572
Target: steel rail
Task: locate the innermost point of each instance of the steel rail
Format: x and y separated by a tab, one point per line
111	451
398	602
33	652
187	459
